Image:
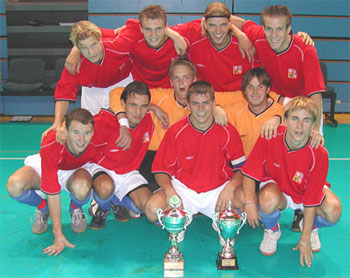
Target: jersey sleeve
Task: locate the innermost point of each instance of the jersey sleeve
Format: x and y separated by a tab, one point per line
313	194
225	99
107	33
235	149
114	100
190	31
312	73
67	87
165	159
253	30
253	168
49	167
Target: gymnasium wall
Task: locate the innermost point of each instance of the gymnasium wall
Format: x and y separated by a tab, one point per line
327	21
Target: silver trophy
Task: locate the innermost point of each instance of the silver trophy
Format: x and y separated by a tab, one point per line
228	223
174	221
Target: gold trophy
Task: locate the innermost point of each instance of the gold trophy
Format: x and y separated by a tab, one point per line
174	221
228	223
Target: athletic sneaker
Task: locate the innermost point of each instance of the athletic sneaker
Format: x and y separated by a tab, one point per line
298	216
40	222
98	220
78	221
120	213
314	239
134	214
268	245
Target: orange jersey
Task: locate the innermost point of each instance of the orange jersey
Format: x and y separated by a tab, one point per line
249	124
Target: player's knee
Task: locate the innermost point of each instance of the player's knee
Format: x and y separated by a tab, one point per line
104	189
151	209
81	189
334	211
268	201
15	185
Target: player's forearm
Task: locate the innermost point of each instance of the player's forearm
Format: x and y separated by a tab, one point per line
317	98
54	204
309	216
61	108
175	36
236	180
249	189
237	21
164	182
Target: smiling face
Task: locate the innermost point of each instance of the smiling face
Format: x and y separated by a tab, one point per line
202	110
181	78
218	30
277	32
154	31
257	95
91	49
79	136
299	125
136	107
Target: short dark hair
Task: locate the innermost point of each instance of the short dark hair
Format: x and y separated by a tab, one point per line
259	73
153	12
182	62
277	11
200	88
80	115
135	87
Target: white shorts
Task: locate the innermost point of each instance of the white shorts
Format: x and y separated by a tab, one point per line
34	161
94	98
204	202
123	183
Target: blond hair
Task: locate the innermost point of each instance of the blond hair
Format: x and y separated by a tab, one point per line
83	30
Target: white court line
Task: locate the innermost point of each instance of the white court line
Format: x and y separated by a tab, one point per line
22	158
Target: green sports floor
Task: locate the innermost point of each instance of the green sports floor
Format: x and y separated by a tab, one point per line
136	248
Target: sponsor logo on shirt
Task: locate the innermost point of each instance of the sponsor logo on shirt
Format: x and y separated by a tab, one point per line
277	165
298	177
292	74
237	69
145	138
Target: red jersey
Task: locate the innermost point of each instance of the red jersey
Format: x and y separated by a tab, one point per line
295	71
300	173
200	160
55	156
114	67
149	65
224	68
106	133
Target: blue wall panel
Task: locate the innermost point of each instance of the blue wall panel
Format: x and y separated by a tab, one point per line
3	31
2	6
310	7
135	6
3	68
338	71
3	48
333	49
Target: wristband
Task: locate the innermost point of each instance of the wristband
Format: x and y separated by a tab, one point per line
124	122
303	243
250	204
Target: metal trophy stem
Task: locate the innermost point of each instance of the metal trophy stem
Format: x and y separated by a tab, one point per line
174	221
228	223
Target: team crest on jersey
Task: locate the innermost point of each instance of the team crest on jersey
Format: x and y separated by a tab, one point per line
237	70
145	138
292	74
298	177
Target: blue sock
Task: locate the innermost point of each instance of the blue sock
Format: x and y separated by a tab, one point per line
320	222
30	197
75	203
104	204
269	220
127	203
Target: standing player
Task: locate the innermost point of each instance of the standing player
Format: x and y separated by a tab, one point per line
292	174
102	68
293	66
58	167
193	160
119	177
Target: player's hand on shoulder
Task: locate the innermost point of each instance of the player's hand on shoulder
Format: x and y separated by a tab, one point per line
72	63
306	38
220	116
44	134
269	128
124	140
316	139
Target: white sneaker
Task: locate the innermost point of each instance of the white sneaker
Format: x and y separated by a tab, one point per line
78	221
268	245
314	238
134	214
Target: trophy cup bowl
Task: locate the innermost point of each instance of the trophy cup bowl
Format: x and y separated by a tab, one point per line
174	221
228	223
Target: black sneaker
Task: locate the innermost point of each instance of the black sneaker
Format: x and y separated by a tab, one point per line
298	216
120	213
99	219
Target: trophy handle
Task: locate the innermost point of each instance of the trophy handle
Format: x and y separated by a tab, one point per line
189	218
160	215
243	218
215	220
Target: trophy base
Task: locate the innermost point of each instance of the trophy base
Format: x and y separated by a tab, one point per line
226	264
173	265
